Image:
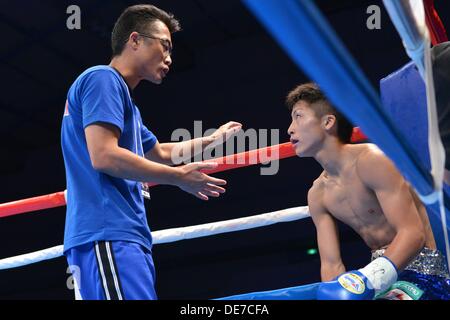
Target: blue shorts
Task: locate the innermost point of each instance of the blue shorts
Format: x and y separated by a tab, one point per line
112	270
434	287
412	285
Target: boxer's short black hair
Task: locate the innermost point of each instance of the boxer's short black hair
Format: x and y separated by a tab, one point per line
318	102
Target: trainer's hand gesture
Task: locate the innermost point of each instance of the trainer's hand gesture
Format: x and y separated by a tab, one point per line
222	134
198	183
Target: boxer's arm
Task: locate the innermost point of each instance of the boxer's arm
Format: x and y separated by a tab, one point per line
379	174
331	264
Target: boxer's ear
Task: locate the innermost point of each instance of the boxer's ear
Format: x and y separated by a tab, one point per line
328	121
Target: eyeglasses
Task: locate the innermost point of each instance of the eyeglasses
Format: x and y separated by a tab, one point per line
166	44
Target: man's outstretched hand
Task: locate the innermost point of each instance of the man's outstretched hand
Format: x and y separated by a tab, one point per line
199	184
222	134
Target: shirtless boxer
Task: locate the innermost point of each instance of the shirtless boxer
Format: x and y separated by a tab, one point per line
362	188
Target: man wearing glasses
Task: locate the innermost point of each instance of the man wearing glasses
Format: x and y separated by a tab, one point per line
109	153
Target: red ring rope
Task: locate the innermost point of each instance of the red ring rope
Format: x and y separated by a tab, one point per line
243	159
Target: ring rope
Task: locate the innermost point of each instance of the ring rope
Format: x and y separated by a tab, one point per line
176	234
234	161
243	159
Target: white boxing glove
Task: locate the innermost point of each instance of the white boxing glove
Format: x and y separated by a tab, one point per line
381	274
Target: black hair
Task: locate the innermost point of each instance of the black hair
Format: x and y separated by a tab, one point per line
139	18
318	102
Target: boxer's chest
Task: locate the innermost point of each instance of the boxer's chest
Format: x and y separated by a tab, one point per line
350	201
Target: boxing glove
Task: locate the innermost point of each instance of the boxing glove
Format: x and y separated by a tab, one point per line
362	284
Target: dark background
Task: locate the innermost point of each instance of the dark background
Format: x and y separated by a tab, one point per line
226	67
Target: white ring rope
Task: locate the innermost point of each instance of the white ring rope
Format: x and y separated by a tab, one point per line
176	234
